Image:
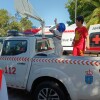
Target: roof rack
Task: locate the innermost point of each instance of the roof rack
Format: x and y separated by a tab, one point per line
13	33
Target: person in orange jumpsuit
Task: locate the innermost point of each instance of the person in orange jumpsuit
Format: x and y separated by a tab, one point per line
81	39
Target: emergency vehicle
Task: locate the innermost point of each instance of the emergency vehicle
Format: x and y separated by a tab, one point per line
94	36
67	36
29	63
94	33
67	39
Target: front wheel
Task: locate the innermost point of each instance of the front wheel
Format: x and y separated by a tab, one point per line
49	91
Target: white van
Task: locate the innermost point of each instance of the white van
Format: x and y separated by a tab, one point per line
67	38
94	32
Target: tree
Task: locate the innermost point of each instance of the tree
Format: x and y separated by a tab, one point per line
4	21
26	24
94	17
90	10
71	6
8	22
2	32
4	18
15	25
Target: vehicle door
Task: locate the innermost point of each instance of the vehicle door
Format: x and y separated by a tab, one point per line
15	62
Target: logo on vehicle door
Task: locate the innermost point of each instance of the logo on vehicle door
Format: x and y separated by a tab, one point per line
89	77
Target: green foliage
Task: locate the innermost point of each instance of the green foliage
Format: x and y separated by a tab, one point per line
71	9
2	32
15	25
94	18
4	21
8	22
90	9
26	24
4	18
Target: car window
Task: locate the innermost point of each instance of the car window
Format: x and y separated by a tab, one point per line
43	46
14	47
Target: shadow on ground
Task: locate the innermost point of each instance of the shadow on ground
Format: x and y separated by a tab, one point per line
15	94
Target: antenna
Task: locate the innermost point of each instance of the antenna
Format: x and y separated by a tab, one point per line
25	9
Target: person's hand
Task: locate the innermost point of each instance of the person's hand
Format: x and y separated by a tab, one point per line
55	21
87	47
87	43
73	43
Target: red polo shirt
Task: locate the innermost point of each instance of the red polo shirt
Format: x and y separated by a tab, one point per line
80	36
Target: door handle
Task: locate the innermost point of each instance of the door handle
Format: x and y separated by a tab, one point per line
21	63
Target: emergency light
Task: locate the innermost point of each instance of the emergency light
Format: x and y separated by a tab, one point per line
31	31
26	32
14	33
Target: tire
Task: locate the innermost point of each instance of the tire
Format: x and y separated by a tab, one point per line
49	91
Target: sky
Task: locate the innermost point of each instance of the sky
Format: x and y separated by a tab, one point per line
46	9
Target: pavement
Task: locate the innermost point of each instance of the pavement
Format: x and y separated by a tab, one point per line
15	94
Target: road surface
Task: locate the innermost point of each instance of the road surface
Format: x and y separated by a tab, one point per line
14	94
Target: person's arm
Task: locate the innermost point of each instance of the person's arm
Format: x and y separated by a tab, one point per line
52	28
54	32
55	21
87	42
73	42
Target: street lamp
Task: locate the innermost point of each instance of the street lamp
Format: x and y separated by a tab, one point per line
75	9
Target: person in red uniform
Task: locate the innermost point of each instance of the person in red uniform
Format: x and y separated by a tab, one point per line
81	39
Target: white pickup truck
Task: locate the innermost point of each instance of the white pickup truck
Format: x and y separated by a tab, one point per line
29	63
